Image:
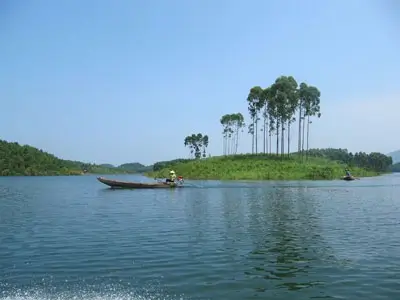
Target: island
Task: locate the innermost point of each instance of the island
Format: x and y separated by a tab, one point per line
273	112
312	165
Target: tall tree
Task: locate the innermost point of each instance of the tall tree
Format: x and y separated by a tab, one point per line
287	88
302	96
312	108
197	144
266	129
274	121
189	143
225	125
238	125
254	100
283	91
232	125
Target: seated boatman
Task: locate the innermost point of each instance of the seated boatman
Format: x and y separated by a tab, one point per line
347	173
172	177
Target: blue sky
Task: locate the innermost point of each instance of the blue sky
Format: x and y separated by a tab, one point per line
123	81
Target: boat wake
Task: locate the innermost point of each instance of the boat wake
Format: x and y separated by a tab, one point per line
108	293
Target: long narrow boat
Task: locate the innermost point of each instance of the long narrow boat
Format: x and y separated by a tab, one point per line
349	178
137	185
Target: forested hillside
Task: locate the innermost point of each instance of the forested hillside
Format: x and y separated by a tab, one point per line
135	167
16	159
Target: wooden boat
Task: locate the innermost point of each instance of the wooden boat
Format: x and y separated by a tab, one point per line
137	185
349	178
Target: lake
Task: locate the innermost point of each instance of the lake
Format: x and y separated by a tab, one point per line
74	238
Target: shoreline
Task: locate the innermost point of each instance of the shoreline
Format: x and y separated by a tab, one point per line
282	179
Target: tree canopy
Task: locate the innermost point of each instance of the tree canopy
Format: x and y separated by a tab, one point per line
278	106
197	143
373	161
16	159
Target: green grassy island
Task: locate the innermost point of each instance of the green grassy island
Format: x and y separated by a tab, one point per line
317	164
275	112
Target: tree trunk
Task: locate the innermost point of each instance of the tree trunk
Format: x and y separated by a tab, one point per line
233	142
288	139
237	140
270	142
282	139
299	144
302	140
277	137
256	133
264	134
229	144
308	133
252	142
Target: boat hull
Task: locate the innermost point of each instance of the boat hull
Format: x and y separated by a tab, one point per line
348	178
137	185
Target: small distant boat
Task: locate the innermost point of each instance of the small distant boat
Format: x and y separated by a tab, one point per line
137	185
349	178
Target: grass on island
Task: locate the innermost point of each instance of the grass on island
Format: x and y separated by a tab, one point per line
260	167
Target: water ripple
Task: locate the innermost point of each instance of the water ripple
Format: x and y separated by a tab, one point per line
69	238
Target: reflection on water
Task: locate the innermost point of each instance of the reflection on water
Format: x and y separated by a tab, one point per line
63	238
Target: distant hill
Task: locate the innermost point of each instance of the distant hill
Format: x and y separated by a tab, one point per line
25	160
107	166
135	167
395	156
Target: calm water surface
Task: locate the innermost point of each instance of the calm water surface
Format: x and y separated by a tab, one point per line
73	238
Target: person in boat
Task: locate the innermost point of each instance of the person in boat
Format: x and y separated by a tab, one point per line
172	177
348	174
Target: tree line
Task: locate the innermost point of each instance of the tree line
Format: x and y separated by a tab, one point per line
16	159
274	109
373	161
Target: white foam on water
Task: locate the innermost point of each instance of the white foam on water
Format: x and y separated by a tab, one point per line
86	296
107	293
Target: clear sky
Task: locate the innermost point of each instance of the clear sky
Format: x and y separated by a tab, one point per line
123	81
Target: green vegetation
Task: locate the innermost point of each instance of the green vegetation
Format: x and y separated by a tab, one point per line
321	164
26	160
395	167
277	107
197	144
135	167
110	166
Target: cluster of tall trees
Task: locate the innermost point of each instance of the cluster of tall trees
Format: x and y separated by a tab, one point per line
16	159
273	110
232	126
276	107
197	144
374	161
